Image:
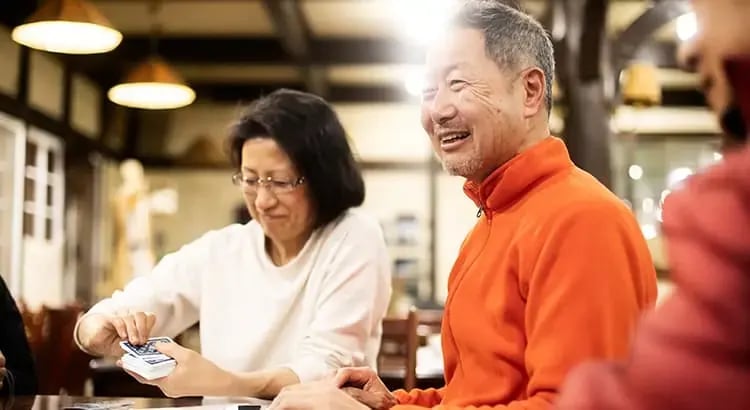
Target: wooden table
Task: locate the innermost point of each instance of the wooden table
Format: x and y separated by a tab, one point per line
68	402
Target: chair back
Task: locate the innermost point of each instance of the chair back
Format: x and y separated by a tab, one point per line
398	349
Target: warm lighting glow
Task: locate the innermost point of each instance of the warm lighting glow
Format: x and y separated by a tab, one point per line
67	37
649	231
686	26
69	27
718	156
635	172
152	85
677	176
152	96
414	81
421	21
647	205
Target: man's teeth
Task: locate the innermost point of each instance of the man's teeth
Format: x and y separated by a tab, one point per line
455	137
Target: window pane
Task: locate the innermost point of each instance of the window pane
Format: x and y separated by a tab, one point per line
49	195
50	161
28	224
48	228
29	190
30	154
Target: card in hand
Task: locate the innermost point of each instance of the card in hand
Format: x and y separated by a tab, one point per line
148	350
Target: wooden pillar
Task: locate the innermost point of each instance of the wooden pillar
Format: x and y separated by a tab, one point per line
581	74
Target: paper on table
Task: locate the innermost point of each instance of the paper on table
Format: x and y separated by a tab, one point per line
224	403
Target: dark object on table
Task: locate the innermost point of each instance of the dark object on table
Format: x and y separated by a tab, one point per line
15	347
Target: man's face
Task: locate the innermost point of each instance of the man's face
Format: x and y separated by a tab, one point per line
472	109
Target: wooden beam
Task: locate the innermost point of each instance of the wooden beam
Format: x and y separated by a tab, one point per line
640	31
586	117
74	140
294	32
381	93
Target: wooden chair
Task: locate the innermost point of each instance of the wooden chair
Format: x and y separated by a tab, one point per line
429	322
60	365
397	359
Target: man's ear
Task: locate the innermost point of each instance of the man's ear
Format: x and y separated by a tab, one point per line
535	89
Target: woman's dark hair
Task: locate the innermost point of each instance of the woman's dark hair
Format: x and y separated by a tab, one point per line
309	131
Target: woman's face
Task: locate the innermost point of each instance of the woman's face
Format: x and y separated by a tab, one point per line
275	193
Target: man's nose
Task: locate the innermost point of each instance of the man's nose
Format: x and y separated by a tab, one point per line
442	109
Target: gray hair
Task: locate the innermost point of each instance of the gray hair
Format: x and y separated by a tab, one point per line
512	38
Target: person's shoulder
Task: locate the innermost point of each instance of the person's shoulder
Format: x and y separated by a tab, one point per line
356	223
226	237
580	193
576	200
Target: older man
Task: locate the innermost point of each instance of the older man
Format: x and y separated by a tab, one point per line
556	270
694	352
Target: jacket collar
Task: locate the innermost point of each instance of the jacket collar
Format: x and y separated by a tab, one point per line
512	180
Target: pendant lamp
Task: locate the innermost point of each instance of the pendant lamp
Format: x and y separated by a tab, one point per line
69	27
152	85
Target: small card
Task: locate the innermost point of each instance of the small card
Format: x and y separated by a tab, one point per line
147	350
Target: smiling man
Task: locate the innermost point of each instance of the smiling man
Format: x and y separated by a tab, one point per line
556	270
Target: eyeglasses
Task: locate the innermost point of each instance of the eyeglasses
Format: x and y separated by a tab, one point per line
250	185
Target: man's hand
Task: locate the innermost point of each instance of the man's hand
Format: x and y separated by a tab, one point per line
101	334
317	395
363	384
3	371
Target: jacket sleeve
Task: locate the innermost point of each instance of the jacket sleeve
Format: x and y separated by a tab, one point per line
419	397
592	279
349	309
687	353
15	346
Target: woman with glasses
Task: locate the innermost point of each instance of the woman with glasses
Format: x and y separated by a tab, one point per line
289	297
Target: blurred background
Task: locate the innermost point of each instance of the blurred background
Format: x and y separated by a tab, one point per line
75	132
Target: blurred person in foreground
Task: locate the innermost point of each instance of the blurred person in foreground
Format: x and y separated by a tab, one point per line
17	369
556	270
289	297
694	351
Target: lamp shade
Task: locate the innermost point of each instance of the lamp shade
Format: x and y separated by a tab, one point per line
152	85
640	85
67	26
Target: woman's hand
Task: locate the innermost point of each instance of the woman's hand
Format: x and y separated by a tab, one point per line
194	375
101	334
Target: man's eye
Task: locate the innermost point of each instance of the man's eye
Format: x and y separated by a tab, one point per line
428	93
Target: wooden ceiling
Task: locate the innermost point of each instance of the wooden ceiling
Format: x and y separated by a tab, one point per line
346	50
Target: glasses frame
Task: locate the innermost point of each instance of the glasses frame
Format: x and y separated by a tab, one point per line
274	186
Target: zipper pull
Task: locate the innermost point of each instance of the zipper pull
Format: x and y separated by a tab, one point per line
479	212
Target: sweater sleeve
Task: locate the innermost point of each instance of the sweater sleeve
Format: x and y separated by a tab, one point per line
349	309
687	353
172	291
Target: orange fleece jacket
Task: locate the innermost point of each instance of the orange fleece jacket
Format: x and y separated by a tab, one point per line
555	272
